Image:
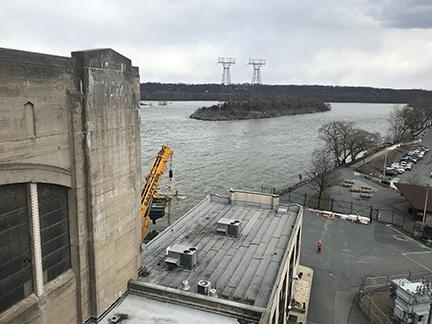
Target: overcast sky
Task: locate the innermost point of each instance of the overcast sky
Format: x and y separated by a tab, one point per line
382	43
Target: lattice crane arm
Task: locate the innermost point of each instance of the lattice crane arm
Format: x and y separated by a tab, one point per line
151	186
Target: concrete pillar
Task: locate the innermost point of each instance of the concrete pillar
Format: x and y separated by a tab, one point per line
37	246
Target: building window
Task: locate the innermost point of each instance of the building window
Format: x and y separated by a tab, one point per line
54	227
30	120
15	254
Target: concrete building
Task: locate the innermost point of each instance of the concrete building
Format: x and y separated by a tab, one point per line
416	197
70	183
228	260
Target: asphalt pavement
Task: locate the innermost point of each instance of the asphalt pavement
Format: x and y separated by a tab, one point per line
350	251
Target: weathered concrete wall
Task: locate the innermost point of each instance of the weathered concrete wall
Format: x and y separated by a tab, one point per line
34	115
285	282
74	122
112	152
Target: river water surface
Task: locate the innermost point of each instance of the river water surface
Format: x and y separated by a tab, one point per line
212	157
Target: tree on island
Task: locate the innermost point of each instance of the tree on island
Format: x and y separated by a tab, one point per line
408	122
323	173
345	141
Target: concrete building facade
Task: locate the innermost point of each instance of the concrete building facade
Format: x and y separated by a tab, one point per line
70	182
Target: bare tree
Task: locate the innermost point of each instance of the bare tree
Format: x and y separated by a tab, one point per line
360	141
410	121
335	134
323	173
398	128
344	141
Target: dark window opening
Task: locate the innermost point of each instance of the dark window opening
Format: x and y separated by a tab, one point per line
15	254
54	225
30	119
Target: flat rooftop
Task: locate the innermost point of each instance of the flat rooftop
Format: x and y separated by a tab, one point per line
242	269
143	310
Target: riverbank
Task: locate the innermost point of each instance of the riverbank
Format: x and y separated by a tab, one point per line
359	192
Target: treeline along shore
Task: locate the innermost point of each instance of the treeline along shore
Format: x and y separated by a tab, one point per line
242	92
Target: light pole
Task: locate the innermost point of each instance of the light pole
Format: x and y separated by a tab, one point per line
385	162
427	188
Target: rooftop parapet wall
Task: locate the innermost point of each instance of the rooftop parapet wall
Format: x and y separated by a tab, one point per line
262	199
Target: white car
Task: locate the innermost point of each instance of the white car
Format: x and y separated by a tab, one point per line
399	170
406	166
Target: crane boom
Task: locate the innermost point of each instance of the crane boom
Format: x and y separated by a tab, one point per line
151	186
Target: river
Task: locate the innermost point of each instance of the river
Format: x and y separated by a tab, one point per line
212	157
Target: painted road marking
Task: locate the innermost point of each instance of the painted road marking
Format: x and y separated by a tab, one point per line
409	238
406	255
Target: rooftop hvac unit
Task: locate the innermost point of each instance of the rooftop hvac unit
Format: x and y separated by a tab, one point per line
229	227
181	255
203	287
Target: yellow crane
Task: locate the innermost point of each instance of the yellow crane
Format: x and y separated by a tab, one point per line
151	186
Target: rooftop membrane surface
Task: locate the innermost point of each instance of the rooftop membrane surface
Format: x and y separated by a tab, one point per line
242	269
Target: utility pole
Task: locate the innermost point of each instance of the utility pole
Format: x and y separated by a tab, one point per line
427	188
385	163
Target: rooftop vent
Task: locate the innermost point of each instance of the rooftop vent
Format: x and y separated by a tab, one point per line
185	285
181	255
213	293
229	227
203	287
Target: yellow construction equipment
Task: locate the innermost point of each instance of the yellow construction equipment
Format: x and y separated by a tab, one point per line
151	186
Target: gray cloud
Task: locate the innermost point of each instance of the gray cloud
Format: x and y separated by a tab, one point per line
354	42
404	13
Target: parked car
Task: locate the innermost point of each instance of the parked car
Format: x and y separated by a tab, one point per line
406	165
391	172
411	159
400	170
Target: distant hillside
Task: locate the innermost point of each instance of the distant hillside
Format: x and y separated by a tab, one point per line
179	91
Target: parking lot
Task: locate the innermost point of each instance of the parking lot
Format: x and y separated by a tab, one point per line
421	172
350	251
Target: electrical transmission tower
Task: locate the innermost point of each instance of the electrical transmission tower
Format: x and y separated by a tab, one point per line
226	63
257	64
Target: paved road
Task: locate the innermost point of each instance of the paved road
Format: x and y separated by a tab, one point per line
350	251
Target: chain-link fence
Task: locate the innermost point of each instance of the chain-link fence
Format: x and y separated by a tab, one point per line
384	215
374	295
372	309
337	206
